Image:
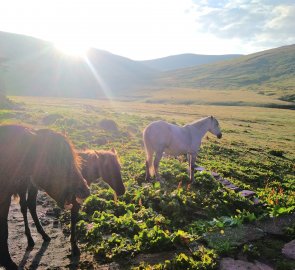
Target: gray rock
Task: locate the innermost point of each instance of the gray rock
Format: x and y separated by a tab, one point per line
231	264
225	182
214	174
231	186
200	169
247	193
289	250
256	200
276	225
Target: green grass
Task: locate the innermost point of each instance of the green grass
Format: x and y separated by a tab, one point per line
190	96
256	152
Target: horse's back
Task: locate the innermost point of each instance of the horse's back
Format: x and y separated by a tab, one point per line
164	136
15	143
156	134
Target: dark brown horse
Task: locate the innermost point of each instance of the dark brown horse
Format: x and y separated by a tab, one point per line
102	164
31	160
94	165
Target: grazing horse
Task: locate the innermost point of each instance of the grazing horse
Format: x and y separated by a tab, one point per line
94	164
102	164
160	137
31	160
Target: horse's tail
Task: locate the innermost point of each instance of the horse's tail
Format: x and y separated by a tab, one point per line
149	153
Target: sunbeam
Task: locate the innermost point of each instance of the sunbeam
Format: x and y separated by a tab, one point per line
106	90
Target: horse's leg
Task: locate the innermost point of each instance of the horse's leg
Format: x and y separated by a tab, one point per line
147	171
149	161
24	209
5	259
74	218
31	202
192	161
158	157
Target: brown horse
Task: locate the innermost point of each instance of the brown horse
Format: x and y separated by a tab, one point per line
102	164
94	165
31	160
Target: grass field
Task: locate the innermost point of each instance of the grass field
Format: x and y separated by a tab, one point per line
257	152
190	96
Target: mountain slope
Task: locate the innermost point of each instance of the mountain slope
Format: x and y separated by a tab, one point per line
186	60
30	66
36	67
271	71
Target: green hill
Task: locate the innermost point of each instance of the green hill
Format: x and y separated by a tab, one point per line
186	60
31	66
35	67
268	72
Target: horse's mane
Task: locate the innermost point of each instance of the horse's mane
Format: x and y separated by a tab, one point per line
77	162
108	153
91	152
197	122
76	157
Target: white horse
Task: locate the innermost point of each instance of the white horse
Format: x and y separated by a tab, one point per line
160	137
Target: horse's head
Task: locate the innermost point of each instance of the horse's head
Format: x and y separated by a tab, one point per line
214	127
110	170
57	169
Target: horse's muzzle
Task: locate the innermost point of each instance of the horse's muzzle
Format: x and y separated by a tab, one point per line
120	191
219	136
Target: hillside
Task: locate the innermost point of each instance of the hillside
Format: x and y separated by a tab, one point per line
269	72
35	67
186	60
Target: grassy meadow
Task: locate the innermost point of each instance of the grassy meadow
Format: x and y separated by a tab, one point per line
192	96
257	152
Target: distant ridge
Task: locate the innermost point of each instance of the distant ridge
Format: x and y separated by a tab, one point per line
269	72
186	60
35	67
30	66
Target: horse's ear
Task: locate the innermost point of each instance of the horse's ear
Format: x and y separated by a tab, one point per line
114	150
211	116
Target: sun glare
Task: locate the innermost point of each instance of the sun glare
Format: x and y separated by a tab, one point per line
74	49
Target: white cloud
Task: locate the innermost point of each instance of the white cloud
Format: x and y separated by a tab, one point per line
259	24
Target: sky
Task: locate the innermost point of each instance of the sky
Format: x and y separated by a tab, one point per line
148	29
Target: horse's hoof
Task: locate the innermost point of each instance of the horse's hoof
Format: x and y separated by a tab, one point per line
29	248
12	266
31	244
46	238
9	266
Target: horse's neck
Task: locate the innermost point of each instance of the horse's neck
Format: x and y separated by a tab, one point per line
200	128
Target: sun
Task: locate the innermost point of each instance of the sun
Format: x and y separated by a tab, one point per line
72	48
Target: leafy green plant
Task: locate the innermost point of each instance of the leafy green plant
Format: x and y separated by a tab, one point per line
251	251
201	259
154	239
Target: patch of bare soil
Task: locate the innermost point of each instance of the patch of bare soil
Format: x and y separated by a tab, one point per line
55	254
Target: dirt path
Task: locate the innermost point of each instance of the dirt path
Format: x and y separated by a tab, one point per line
45	255
55	254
